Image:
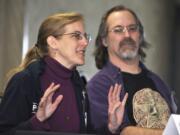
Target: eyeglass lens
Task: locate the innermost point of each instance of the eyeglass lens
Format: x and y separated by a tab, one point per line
122	29
79	36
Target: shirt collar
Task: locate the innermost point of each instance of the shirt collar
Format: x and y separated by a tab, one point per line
114	70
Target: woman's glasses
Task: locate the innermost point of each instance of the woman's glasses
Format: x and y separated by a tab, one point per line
78	36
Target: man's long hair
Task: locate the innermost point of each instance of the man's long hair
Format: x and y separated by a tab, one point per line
101	53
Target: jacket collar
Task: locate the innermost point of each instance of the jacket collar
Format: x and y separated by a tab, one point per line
114	71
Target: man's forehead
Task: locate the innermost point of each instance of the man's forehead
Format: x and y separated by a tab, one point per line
121	18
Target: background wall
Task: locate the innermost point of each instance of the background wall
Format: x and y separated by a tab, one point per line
11	35
23	17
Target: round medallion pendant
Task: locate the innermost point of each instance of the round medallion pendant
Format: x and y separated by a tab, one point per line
150	110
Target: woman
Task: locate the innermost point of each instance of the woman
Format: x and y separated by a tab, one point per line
46	92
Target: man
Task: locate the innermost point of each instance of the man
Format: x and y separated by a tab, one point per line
119	54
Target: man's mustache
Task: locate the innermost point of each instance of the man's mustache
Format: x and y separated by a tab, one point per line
127	41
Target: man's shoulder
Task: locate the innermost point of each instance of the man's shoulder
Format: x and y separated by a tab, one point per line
154	76
99	85
100	75
101	80
150	73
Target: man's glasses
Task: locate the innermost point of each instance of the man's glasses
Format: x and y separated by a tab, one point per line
122	29
79	36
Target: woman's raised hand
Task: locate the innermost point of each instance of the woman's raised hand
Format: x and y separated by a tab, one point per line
46	106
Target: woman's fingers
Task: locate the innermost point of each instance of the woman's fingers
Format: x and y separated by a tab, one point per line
57	102
47	97
53	89
50	91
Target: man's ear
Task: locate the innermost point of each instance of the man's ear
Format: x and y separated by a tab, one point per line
51	42
104	42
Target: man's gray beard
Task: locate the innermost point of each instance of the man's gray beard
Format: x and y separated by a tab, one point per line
130	55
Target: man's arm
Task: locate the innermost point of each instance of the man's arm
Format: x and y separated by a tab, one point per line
132	130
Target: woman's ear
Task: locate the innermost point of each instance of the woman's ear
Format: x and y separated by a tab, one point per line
51	42
104	42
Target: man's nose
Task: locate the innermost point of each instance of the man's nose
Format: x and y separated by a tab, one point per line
126	32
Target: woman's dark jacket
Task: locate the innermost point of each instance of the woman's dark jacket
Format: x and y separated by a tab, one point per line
23	93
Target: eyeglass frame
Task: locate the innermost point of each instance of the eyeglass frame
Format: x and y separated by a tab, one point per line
79	34
123	29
